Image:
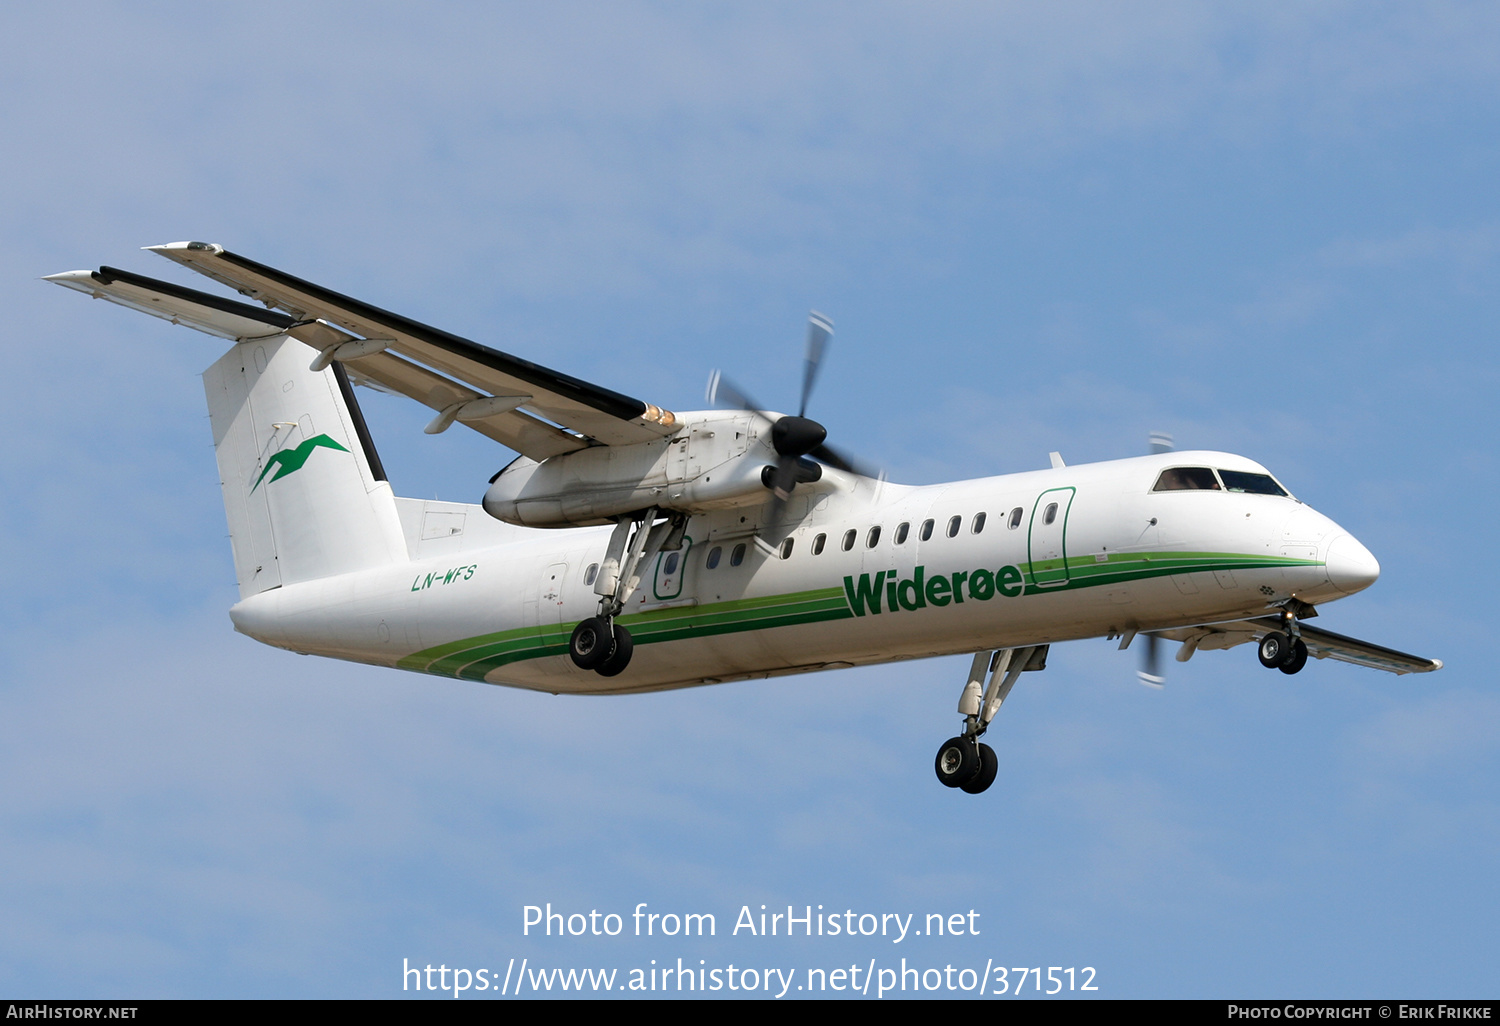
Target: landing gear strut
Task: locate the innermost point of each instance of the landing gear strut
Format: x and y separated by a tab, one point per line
1284	650
964	761
598	643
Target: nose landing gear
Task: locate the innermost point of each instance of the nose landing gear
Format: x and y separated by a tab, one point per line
1283	650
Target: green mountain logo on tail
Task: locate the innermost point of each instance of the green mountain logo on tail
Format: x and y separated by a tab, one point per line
290	460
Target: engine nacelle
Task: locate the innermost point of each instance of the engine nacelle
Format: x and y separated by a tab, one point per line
714	462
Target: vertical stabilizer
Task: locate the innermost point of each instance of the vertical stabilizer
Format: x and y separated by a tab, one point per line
302	499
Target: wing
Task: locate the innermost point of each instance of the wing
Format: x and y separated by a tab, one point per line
225	318
536	411
1321	644
596	413
228	318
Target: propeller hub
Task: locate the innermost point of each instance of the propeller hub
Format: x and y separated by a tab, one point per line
797	436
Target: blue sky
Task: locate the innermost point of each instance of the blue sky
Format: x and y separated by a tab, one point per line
1037	227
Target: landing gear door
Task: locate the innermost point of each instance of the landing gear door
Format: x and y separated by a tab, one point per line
1047	542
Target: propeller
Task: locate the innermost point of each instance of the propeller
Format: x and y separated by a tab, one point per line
793	438
1150	673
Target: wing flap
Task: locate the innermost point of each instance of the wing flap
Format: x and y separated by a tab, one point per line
520	431
597	413
1321	644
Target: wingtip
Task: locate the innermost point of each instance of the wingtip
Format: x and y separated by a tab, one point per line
170	248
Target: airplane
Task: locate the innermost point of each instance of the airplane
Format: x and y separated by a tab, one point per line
628	548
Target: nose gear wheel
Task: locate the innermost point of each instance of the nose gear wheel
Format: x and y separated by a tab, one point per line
1283	650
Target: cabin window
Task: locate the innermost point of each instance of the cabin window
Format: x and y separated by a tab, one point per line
1254	484
901	531
786	548
849	537
1186	479
738	555
713	556
670	566
590	574
818	544
978	523
953	525
873	539
926	534
1015	518
1051	514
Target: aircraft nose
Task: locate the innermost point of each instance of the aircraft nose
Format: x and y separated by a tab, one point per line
1351	568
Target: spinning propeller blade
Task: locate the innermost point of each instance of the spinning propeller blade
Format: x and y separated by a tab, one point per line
819	332
793	438
1150	672
722	393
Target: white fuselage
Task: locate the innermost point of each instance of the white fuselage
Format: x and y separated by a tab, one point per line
487	601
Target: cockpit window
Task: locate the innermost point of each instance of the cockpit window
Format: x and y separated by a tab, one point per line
1255	484
1184	479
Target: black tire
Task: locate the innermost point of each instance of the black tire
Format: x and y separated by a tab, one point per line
619	658
957	762
591	644
989	765
1296	657
1274	649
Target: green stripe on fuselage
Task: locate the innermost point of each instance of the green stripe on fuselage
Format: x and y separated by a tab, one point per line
1123	567
473	658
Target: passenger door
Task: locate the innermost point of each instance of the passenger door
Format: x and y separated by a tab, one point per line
1047	543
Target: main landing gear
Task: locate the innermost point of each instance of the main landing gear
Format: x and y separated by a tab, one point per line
598	643
964	761
1284	650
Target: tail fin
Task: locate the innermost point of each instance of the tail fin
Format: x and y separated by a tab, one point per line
303	490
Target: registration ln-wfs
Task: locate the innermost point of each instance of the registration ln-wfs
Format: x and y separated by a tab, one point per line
629	548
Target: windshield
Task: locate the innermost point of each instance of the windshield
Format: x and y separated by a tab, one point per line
1204	479
1182	479
1256	484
